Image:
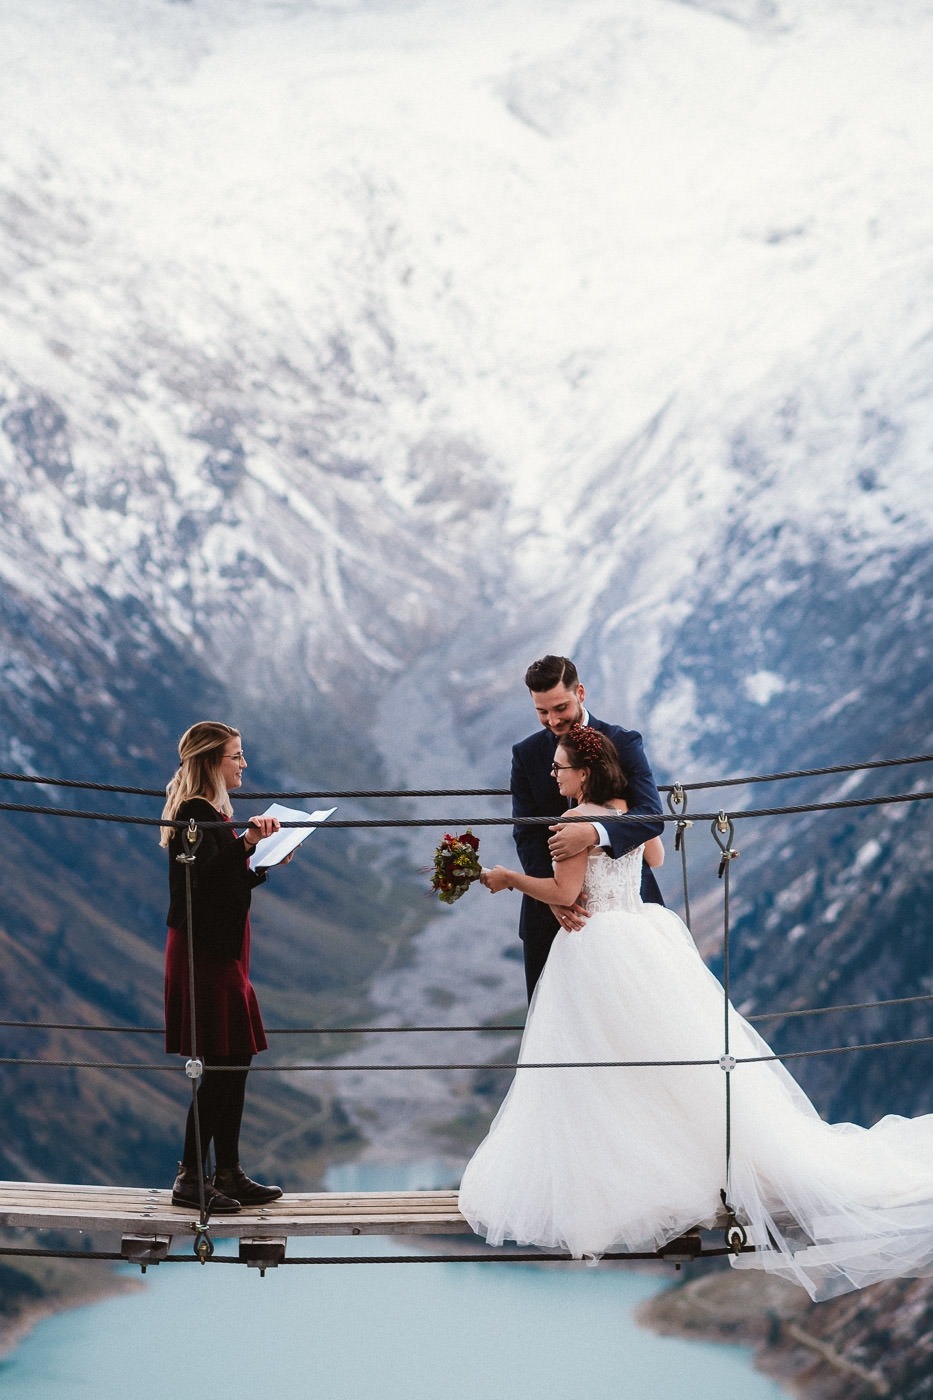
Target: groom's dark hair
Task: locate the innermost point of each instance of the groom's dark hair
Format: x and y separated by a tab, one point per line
550	671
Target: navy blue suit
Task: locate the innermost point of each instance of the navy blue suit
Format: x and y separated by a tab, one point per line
535	794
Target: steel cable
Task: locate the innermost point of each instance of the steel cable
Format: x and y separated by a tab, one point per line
479	792
324	1068
386	822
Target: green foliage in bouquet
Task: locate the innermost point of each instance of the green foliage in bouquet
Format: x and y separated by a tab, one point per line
456	866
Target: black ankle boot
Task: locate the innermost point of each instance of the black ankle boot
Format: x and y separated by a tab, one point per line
234	1182
186	1192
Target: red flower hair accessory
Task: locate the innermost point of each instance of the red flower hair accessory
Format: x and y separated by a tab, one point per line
587	741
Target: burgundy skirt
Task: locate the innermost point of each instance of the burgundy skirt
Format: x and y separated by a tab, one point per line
226	1010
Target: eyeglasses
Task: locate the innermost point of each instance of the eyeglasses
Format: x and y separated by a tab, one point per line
559	767
237	757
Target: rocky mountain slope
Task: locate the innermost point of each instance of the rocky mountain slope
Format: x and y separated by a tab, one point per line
851	1348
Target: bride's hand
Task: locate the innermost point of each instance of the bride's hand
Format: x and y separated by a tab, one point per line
570	916
497	879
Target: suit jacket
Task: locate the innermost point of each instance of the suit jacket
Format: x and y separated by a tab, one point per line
221	884
535	794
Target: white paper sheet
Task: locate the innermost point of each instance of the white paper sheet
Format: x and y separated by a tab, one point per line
272	850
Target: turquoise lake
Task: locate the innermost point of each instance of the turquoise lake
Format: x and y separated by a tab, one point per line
392	1331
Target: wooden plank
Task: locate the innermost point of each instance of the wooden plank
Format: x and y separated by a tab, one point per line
19	1192
148	1210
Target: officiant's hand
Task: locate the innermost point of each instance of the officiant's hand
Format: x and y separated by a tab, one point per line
570	839
570	916
257	828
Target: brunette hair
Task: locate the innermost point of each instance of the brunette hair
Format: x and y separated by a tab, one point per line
550	671
595	753
201	751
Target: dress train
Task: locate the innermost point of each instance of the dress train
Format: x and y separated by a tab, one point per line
625	1159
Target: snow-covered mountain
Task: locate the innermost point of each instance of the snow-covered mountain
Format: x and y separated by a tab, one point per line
352	355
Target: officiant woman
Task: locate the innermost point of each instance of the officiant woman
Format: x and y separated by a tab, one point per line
229	1028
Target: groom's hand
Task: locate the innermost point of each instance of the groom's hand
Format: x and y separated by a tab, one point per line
570	839
570	916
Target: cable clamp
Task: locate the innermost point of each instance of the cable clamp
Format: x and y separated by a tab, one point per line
677	798
724	824
194	1068
191	840
727	1063
736	1233
203	1244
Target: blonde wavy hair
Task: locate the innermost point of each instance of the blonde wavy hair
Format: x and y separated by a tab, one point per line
201	751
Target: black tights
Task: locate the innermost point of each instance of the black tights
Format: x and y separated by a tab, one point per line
220	1111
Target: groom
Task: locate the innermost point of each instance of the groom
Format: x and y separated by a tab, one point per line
558	698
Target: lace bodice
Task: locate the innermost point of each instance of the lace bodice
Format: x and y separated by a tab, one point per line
613	884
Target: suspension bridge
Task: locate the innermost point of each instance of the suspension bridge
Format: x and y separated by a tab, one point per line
148	1225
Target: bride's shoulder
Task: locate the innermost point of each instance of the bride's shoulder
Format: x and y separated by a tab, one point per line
591	809
583	809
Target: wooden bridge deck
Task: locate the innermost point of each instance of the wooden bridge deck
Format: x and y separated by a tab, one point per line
147	1222
149	1211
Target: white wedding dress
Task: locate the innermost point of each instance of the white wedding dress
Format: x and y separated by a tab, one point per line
597	1160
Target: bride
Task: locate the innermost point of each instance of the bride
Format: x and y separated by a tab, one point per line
593	1158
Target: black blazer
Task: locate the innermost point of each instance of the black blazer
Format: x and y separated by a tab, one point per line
535	794
221	884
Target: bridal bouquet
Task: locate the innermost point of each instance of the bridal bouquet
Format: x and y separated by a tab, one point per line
455	866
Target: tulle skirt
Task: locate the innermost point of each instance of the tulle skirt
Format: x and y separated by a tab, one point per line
625	1159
